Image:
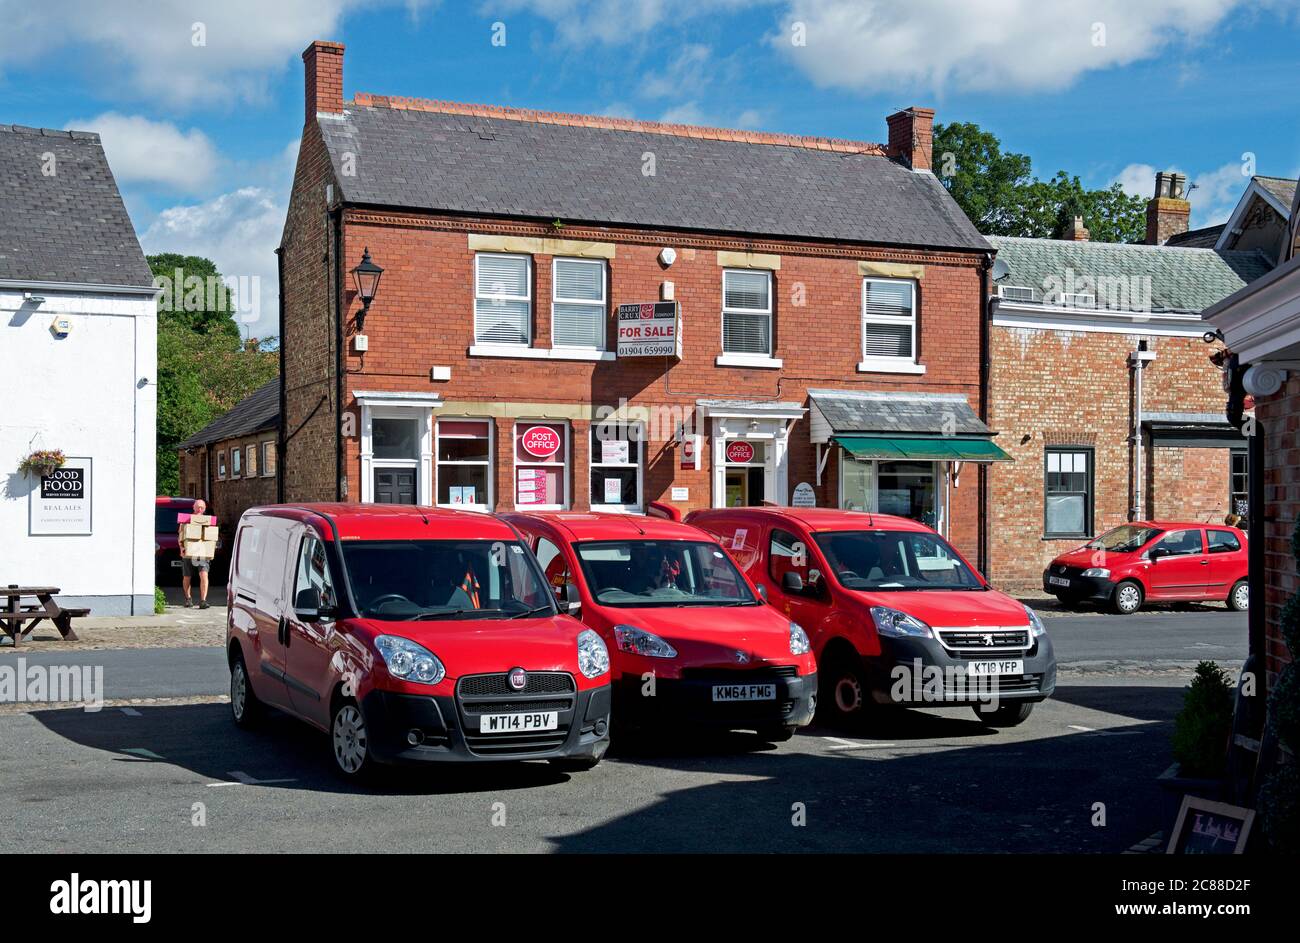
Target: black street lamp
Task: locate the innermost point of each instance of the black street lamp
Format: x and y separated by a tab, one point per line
367	275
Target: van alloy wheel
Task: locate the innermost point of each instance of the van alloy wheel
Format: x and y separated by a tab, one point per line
848	694
238	691
351	746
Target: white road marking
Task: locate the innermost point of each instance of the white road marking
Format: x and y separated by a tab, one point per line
130	712
842	744
1105	733
240	778
141	751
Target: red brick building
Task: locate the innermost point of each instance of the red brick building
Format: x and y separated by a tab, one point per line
808	309
231	462
1102	390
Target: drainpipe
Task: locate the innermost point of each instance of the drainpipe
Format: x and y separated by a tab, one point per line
982	469
336	219
279	436
1138	359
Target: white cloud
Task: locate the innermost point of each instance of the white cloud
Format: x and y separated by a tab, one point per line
173	51
239	231
153	152
1212	193
686	73
1019	45
613	22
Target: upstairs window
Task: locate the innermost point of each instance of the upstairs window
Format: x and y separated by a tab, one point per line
888	319
503	306
747	312
578	304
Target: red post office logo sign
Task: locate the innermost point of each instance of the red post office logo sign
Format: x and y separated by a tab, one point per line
540	441
740	452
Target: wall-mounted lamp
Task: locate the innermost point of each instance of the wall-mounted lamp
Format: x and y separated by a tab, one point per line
367	275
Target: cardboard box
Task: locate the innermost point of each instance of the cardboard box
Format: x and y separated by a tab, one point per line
192	531
204	549
202	519
209	531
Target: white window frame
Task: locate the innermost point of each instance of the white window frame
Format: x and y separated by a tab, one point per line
490	463
516	464
221	464
738	357
251	450
601	308
262	469
638	464
528	297
236	462
874	363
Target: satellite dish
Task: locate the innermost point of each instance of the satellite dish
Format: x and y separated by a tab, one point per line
1001	270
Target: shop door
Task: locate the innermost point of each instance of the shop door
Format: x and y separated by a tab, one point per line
394	486
746	472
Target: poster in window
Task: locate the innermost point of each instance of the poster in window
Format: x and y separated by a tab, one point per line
530	486
615	452
613	491
61	502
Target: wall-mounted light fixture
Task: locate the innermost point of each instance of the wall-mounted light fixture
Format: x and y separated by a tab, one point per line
367	275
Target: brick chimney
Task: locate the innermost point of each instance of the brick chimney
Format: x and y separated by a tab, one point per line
1077	231
323	65
911	137
1168	211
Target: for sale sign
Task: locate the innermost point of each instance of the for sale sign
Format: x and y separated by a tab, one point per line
649	329
60	503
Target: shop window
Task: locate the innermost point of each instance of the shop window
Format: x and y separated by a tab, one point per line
857	483
616	466
888	319
541	466
578	304
503	306
1239	489
1068	498
221	465
747	312
907	489
236	462
268	459
465	463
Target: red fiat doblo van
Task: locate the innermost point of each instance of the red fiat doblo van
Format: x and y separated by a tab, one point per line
1154	561
895	614
691	642
410	635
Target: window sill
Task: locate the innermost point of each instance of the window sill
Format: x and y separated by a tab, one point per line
539	353
749	360
616	509
891	365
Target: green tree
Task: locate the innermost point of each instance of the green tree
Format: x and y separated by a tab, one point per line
203	367
1002	197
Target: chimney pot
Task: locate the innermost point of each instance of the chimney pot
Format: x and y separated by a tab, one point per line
911	137
1079	232
1168	212
323	69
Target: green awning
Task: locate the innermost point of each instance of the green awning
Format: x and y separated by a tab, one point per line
939	449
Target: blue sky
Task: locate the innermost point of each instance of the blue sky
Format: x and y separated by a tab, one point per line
200	104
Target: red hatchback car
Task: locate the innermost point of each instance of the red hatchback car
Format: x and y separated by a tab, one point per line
1154	561
410	635
691	640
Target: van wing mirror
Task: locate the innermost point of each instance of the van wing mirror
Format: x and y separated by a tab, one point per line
792	583
307	604
762	591
570	598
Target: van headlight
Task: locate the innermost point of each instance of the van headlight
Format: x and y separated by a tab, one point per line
593	656
1035	623
896	624
636	641
798	640
1098	571
409	661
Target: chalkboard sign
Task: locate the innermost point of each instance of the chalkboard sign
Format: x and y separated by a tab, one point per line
1210	828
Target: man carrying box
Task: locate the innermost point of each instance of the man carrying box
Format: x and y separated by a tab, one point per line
197	549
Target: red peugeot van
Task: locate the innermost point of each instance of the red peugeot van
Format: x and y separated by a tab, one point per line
690	639
1154	561
895	614
410	635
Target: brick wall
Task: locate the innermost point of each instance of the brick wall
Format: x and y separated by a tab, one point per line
228	498
1278	419
1054	387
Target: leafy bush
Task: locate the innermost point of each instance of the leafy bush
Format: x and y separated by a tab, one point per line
1279	807
1202	727
159	601
1279	796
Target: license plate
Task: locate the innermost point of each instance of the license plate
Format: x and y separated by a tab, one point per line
744	692
1014	666
1058	581
176	563
518	723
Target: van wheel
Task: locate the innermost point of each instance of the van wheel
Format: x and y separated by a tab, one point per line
575	764
778	734
245	709
1239	598
844	697
1006	715
1128	598
350	741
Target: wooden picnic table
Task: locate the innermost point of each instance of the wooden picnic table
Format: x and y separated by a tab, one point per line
18	619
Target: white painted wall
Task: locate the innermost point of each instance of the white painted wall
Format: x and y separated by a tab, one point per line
83	394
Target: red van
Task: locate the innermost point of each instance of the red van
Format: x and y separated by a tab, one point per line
690	639
410	635
1154	561
895	614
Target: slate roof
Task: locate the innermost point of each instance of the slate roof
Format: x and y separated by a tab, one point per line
903	413
501	166
1281	187
65	226
1182	280
1205	238
258	411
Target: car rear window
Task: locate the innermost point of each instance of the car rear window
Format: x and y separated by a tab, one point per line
1223	541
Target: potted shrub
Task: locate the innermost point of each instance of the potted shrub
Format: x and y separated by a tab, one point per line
1201	733
42	462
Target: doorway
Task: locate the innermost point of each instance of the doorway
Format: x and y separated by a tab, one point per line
394	486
